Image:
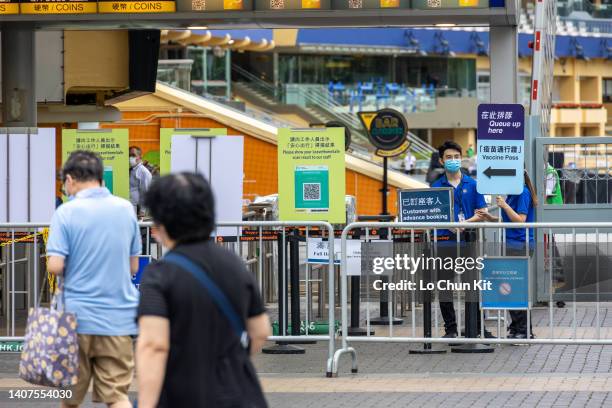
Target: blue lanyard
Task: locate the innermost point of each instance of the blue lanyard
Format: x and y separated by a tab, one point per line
459	191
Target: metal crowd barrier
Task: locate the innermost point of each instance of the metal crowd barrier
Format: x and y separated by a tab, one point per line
23	269
587	233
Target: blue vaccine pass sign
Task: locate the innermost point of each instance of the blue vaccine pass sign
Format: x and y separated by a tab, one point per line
509	277
425	205
500	158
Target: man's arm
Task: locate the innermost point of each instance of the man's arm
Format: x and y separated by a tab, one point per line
134	265
55	265
259	329
152	349
143	186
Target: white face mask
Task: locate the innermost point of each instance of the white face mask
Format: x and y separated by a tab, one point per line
133	162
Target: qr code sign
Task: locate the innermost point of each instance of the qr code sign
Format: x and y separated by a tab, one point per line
312	191
434	3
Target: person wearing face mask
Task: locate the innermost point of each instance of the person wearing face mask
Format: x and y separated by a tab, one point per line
140	180
466	203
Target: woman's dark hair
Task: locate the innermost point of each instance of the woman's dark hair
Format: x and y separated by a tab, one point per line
532	190
83	166
449	144
184	204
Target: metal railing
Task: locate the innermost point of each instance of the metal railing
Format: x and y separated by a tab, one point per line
597	234
261	244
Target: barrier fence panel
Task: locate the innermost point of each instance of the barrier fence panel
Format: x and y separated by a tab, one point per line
499	279
260	244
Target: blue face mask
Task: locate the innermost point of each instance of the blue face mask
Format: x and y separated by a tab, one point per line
452	165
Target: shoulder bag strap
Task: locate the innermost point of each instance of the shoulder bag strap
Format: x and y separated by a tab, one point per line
214	291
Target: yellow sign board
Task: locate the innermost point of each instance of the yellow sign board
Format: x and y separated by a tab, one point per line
161	6
59	7
367	118
9	7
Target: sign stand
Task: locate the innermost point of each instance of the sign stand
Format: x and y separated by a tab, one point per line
385	187
387	130
383	320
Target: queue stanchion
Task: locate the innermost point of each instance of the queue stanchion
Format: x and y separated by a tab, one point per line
294	273
283	347
427	347
383	319
355	329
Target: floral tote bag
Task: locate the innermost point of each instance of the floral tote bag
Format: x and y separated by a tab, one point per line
50	355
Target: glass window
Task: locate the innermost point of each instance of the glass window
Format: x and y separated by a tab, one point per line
607	90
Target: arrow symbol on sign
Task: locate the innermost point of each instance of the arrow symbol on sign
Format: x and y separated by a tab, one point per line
499	172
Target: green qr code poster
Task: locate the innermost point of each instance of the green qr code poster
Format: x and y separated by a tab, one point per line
311	175
312	188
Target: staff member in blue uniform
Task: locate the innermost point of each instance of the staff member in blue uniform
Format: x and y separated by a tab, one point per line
519	208
466	201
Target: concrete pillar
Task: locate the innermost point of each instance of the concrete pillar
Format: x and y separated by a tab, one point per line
18	76
503	51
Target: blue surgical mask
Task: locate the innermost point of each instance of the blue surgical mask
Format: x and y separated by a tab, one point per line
452	165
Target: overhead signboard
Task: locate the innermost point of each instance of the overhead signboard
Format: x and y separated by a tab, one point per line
402	12
136	6
425	205
292	4
213	5
311	175
9	6
387	131
501	148
369	4
59	7
509	278
445	4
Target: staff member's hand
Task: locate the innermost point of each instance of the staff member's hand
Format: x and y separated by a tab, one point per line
484	214
501	203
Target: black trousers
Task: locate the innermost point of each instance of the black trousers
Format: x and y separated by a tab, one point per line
519	322
449	250
450	318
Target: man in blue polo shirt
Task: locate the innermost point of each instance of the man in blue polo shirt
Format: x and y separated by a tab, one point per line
466	201
94	243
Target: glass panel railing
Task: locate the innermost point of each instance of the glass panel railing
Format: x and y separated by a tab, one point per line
176	73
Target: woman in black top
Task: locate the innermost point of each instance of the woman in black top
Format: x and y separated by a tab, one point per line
188	354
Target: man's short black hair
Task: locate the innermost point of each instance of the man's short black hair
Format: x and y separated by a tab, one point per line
449	144
83	165
137	149
184	204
